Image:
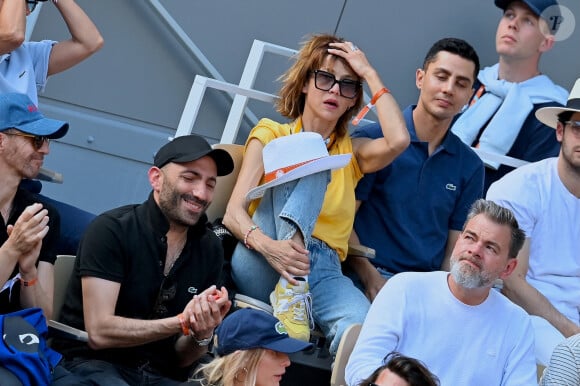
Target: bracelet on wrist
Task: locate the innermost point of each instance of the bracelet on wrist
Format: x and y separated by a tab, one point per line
202	342
29	283
369	106
183	323
250	230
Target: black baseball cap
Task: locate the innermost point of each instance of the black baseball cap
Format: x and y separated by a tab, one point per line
191	147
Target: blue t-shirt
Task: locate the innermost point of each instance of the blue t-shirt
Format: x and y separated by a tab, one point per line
25	69
409	206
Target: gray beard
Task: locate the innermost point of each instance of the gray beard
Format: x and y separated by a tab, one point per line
466	278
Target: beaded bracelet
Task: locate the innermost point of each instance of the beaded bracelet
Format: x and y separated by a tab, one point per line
369	106
250	230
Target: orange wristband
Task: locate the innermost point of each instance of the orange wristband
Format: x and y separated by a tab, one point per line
369	106
184	326
29	283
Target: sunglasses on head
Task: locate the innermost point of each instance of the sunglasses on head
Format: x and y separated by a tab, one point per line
324	81
37	140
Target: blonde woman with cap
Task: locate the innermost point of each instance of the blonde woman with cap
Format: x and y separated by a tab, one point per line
252	348
293	239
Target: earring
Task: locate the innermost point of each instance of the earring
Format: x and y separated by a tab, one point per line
245	370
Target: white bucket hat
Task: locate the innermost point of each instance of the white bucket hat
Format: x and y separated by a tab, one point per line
295	156
549	115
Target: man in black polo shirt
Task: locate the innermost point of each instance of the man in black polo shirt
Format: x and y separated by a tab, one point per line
28	229
144	281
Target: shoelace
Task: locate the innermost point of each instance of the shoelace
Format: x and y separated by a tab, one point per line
296	297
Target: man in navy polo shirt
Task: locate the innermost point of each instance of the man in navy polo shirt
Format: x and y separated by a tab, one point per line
414	208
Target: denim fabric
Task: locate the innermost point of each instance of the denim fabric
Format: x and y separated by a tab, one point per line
98	372
283	209
337	303
352	275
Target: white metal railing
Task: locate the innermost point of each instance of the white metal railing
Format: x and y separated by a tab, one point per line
243	92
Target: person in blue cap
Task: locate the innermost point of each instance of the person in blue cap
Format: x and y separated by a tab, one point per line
252	348
28	229
25	67
500	119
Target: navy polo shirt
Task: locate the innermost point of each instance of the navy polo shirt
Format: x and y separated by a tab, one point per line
409	206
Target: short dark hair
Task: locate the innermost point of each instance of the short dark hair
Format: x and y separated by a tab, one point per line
565	116
409	369
501	216
454	46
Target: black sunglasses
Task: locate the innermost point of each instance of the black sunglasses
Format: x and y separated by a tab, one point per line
37	140
325	81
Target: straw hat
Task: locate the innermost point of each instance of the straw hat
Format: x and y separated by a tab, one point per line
549	115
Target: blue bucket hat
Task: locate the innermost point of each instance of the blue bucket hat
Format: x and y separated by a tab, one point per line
248	328
17	111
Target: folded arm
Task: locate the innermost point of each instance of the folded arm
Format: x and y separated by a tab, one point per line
12	25
375	154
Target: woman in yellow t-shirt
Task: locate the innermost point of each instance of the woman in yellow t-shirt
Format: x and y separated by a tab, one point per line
293	240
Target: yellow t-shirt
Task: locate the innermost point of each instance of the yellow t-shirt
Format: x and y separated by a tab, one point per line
336	217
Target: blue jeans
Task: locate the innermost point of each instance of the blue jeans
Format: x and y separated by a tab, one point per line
80	372
352	275
73	221
336	302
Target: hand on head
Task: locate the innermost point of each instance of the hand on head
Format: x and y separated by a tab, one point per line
353	55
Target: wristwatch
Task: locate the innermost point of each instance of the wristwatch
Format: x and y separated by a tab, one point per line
203	342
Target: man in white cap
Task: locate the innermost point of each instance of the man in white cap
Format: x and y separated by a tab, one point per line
500	118
28	229
545	197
